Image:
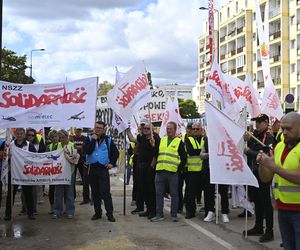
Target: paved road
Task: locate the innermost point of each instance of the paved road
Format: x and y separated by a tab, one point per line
129	232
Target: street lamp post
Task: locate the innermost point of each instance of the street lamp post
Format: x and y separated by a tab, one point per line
31	59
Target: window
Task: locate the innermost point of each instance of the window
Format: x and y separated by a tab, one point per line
293	44
254	57
254	16
293	68
240	61
228	12
236	7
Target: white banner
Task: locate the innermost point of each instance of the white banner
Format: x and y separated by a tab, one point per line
157	106
271	105
227	164
71	104
131	93
39	168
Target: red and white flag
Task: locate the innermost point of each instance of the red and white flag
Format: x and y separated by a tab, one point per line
252	98
219	86
271	104
131	94
171	114
227	164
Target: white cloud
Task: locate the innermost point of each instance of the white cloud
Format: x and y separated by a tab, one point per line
85	38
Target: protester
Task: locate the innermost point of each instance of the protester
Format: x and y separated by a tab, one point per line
194	166
148	147
79	139
54	145
102	155
171	158
209	190
2	143
260	196
40	147
20	142
66	192
284	165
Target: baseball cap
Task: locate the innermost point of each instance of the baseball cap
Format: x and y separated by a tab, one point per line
144	121
261	118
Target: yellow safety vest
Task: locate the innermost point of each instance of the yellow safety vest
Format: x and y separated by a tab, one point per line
279	136
194	163
168	157
131	157
287	192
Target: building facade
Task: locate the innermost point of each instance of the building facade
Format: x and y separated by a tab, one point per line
238	50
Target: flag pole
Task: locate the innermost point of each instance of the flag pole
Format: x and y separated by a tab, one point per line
249	133
217	204
246	217
150	121
136	123
124	175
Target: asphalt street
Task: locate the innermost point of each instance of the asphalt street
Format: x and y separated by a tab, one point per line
128	232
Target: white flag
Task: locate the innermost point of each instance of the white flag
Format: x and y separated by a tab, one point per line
5	166
271	103
177	116
252	98
131	94
222	92
118	123
227	165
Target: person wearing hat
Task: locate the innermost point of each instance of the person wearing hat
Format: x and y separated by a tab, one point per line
260	196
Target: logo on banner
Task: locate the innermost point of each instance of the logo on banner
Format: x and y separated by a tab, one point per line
264	51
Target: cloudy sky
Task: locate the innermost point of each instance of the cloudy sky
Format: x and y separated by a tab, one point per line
84	38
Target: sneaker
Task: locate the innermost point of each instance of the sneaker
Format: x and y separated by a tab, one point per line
210	217
254	232
54	216
137	211
266	237
111	218
145	214
174	219
96	217
189	216
150	216
31	217
70	216
225	218
157	218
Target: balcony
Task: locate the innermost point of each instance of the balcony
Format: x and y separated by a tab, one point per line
298	26
222	57
277	81
232	33
202	79
222	39
274	58
298	52
233	71
298	76
207	63
259	63
232	52
240	50
240	69
202	65
207	46
201	49
260	84
274	12
240	30
275	35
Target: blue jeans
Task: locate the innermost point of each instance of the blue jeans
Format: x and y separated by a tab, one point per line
64	193
289	225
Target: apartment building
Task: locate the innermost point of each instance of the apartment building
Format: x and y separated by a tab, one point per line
238	49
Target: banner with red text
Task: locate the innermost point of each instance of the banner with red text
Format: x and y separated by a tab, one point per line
63	105
227	164
131	93
39	168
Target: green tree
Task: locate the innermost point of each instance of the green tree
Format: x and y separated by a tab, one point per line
188	109
13	67
104	87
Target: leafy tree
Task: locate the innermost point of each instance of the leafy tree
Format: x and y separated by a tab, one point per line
188	109
104	87
149	77
13	67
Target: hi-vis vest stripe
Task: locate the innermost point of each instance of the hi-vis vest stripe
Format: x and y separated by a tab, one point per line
194	163
287	192
168	158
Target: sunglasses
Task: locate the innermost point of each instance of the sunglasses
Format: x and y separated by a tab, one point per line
196	129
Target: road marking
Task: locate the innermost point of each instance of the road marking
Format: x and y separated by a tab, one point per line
209	234
205	232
